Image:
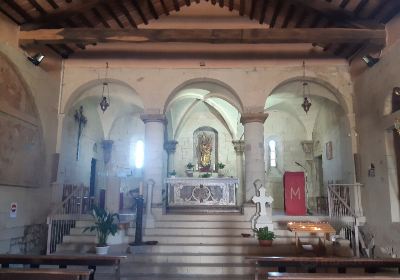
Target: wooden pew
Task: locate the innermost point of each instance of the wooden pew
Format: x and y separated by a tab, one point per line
63	261
43	274
329	276
311	264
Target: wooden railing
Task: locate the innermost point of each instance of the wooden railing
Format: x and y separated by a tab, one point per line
344	202
64	216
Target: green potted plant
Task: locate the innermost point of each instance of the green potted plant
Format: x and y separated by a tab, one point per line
172	174
264	236
220	167
189	169
104	225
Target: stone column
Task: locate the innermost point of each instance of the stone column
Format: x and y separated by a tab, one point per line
254	150
112	181
153	157
170	147
238	145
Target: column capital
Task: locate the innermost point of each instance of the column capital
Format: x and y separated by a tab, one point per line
307	146
253	117
238	145
170	146
153	118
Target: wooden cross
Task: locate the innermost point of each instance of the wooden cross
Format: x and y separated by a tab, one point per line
262	199
81	120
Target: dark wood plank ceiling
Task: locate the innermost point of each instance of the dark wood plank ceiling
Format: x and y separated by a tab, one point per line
129	14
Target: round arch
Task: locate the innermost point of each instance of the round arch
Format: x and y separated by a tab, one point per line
228	94
338	95
79	91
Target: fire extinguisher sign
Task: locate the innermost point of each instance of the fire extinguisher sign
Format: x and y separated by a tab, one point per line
13	210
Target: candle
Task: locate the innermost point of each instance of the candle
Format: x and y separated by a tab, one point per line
141	188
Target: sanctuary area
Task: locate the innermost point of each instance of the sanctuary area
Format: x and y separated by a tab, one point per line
173	134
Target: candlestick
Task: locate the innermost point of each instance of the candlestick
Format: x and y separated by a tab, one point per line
141	188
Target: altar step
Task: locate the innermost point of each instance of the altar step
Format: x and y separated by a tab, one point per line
209	210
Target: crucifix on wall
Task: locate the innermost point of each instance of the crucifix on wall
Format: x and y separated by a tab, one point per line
81	120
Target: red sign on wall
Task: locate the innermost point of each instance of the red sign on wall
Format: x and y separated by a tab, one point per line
294	187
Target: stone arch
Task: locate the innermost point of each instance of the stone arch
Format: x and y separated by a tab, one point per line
79	91
338	95
233	99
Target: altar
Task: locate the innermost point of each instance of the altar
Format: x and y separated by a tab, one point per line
188	191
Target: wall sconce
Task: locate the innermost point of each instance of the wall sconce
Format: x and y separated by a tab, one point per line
369	60
36	59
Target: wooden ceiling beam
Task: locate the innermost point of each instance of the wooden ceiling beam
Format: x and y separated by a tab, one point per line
140	11
125	11
341	16
59	15
153	9
214	36
37	6
17	8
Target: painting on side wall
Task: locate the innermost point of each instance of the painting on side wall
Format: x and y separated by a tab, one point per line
21	153
329	152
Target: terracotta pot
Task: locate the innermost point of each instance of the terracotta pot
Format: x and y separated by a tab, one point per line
265	243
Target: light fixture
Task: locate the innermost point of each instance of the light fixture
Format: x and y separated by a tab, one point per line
306	91
36	59
369	60
105	100
396	90
397	125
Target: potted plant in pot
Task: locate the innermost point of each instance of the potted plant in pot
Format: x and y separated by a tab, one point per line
221	167
104	225
172	174
189	169
264	236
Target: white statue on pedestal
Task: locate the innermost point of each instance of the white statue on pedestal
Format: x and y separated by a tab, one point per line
263	216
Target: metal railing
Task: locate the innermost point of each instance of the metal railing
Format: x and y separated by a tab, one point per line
344	201
64	216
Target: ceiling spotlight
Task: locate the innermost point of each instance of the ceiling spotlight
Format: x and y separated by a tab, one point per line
36	59
396	90
369	60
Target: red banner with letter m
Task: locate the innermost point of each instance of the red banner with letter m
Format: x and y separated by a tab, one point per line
295	201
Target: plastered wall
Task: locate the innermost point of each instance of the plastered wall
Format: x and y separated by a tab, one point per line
372	88
33	203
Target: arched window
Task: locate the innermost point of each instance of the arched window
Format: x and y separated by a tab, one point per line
272	153
139	154
136	154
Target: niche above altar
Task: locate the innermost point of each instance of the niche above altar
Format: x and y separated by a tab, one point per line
205	148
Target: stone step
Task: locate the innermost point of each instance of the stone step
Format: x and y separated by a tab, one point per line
201	217
186	258
188	269
82	247
203	224
136	276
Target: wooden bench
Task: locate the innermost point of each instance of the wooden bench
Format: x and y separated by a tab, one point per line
311	264
329	276
63	261
43	274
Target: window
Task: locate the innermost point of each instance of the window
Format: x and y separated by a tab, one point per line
272	153
136	154
139	154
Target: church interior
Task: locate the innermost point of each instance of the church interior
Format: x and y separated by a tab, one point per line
198	123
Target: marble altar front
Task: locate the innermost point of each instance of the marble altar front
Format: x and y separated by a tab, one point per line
202	191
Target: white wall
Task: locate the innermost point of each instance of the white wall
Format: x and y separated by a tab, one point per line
288	132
